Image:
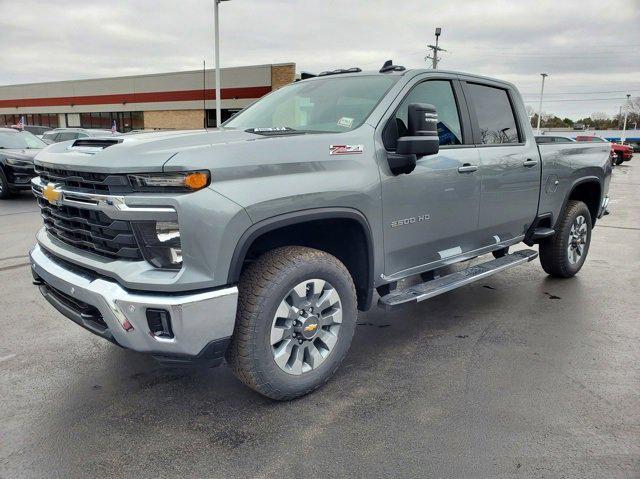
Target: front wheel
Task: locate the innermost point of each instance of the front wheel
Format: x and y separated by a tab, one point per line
564	253
296	318
619	159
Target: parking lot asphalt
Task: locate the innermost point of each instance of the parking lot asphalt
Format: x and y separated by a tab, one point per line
518	375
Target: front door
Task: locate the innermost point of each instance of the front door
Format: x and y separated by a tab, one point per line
431	214
509	165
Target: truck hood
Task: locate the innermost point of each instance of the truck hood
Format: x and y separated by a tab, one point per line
235	154
138	153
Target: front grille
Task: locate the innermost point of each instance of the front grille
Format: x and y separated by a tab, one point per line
85	182
90	230
87	312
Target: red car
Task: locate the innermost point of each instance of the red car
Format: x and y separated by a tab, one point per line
621	152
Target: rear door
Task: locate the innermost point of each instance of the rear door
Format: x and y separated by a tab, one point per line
509	162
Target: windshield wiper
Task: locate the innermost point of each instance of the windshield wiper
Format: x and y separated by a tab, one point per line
273	131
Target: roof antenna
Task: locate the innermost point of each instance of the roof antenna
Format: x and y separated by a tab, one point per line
390	67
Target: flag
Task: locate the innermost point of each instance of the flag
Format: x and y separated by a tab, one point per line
114	129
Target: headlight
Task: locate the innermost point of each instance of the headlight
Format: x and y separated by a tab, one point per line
17	162
184	181
160	243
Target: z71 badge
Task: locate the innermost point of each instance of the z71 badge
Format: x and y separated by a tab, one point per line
346	149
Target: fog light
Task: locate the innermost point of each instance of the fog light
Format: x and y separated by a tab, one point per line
159	322
160	243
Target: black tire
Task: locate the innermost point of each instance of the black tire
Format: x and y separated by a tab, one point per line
619	159
5	192
263	286
500	253
554	254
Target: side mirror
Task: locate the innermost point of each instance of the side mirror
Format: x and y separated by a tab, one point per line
423	138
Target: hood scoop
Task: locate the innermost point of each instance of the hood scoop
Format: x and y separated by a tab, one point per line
93	145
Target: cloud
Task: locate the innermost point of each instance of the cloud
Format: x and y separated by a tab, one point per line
584	46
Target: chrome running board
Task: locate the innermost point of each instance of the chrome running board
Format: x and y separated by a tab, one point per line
434	287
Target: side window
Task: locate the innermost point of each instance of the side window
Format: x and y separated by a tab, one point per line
438	93
496	120
562	140
67	135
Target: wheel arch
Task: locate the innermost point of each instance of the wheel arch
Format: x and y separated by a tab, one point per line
588	190
288	230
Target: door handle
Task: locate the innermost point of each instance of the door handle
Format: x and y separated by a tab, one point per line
467	168
530	163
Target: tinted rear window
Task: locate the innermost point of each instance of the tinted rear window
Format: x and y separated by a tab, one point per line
496	120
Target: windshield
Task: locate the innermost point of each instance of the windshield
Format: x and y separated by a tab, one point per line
20	140
325	105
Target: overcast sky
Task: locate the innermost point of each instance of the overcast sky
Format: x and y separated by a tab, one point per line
585	46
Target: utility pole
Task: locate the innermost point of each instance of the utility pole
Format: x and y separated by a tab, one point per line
216	27
626	114
620	118
435	49
544	75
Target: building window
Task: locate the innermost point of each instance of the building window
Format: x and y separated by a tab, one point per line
125	120
34	119
226	113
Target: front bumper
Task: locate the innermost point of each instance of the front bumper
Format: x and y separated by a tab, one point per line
19	175
201	322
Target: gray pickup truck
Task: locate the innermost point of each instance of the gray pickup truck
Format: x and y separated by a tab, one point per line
260	240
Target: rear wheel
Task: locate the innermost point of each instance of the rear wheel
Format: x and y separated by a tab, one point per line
296	318
5	192
619	158
564	253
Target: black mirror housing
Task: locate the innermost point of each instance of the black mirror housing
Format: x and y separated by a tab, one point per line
423	137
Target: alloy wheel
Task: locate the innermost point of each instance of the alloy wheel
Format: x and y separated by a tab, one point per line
305	327
577	239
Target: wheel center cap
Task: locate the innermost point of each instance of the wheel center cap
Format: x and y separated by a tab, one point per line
310	327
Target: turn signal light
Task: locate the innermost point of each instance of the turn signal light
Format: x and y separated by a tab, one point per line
196	181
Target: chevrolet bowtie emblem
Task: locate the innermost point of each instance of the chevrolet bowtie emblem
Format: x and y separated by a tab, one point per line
51	194
311	327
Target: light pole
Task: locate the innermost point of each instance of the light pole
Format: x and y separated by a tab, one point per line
216	28
626	114
544	75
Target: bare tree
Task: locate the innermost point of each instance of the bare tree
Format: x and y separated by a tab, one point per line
530	111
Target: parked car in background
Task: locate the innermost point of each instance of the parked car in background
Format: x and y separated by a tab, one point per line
36	130
542	139
65	134
17	150
622	152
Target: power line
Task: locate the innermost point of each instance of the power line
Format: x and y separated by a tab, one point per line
576	99
518	49
582	92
